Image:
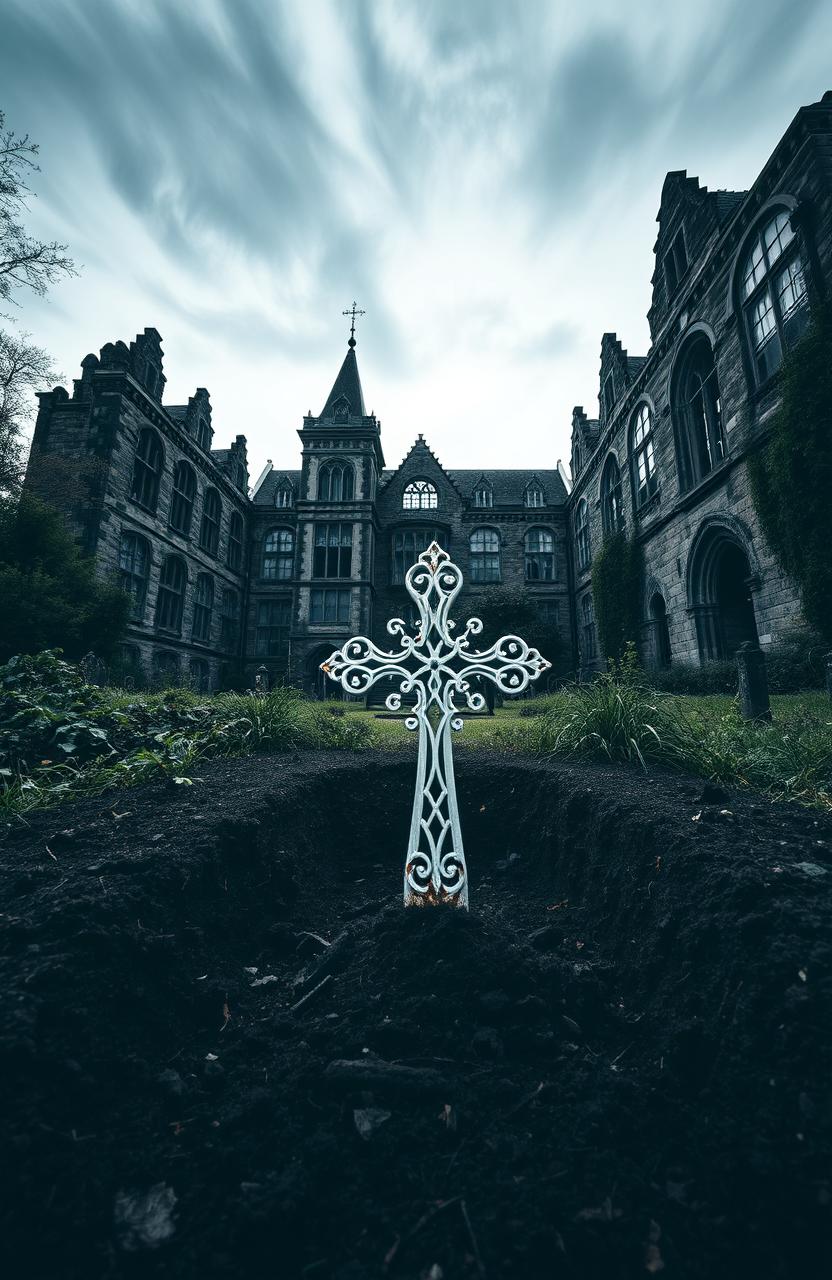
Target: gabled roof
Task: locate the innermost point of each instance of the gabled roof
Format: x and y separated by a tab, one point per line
264	497
508	486
347	386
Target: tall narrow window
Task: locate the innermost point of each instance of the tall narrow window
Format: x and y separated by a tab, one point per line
278	554
483	496
271	634
170	600
333	551
642	456
229	619
534	496
283	496
588	647
203	607
209	530
336	482
134	568
182	499
582	534
408	545
485	555
698	417
147	470
675	263
540	556
612	516
609	395
330	605
199	674
773	293
235	542
420	495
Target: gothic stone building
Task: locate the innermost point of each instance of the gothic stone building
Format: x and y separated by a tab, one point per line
737	274
223	582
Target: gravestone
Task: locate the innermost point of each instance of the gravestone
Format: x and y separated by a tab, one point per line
753	679
438	667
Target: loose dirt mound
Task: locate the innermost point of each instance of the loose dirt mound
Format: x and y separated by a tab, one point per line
227	1051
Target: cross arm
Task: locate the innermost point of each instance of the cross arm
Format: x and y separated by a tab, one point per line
510	664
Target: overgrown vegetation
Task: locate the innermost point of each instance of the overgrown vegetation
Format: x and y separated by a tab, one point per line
61	738
617	593
512	611
620	718
791	478
50	591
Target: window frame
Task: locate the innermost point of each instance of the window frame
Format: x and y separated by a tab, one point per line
401	557
642	448
326	486
420	494
280	558
531	493
169	616
210	524
589	647
583	539
701	446
234	558
128	575
182	498
332	559
485	560
145	476
229	619
319	603
612	497
780	337
203	609
271	633
539	558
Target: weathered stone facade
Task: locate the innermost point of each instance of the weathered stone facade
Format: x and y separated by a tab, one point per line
699	403
225	583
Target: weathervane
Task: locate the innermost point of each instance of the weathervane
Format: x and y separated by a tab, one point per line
353	311
438	668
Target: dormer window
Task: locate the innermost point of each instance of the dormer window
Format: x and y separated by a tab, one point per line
283	496
483	496
534	496
341	409
675	263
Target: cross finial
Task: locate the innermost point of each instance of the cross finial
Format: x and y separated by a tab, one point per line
353	311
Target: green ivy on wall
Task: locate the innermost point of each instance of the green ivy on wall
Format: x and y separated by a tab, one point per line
791	478
617	592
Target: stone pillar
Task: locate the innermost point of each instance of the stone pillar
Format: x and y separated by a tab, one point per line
829	674
751	668
261	681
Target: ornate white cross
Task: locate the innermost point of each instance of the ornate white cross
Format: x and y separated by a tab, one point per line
439	668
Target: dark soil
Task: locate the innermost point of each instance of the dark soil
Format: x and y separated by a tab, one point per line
617	1065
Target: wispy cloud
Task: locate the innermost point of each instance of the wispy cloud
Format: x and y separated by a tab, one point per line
483	178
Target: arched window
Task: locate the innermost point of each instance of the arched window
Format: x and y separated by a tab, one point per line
171	597
540	556
700	442
209	531
483	495
182	498
336	482
420	495
485	555
147	470
229	619
772	287
235	541
408	545
577	461
203	608
612	515
642	457
134	568
278	554
283	496
534	496
582	534
588	645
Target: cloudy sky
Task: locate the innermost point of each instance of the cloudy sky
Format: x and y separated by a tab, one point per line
482	176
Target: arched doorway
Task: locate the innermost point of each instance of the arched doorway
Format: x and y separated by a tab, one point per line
662	653
720	589
316	681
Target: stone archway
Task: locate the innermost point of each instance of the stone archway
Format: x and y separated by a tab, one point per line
661	651
720	581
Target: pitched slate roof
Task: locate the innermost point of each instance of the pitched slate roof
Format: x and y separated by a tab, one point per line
348	385
265	494
508	487
727	202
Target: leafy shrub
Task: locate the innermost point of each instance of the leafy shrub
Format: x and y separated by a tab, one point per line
684	677
616	591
